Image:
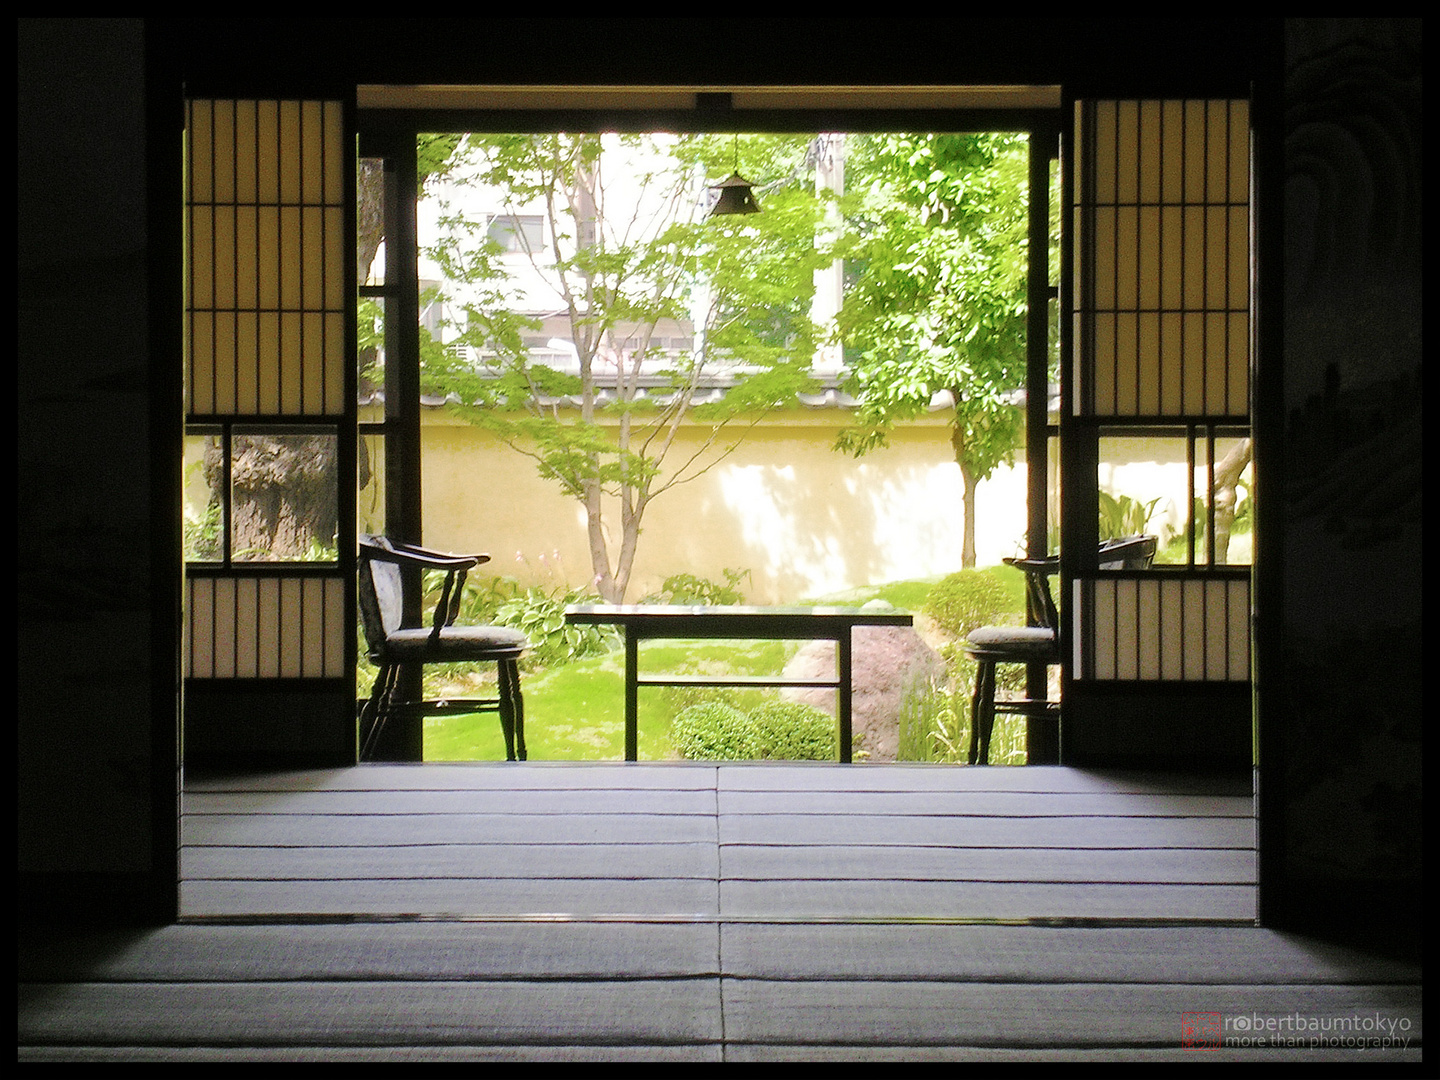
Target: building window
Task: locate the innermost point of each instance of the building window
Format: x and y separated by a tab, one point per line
517	232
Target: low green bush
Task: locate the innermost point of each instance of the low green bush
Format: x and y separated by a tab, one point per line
794	731
714	731
968	599
775	730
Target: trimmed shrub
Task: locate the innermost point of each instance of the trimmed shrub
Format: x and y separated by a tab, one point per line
969	599
714	731
778	730
794	731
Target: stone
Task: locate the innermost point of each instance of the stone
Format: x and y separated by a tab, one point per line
886	662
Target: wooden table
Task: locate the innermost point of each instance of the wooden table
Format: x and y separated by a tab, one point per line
645	622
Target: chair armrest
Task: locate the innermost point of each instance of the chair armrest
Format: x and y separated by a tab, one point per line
1048	565
429	553
425	559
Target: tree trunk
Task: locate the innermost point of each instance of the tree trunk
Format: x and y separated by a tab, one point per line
967	476
283	492
1227	479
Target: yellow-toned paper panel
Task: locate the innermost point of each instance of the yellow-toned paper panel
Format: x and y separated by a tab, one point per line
336	637
1195	144
1217	157
1172	371
1127	152
1149	629
1239	151
292	628
1194	630
1217	367
1102	283
200	144
1239	631
312	150
1104	353
199	636
335	362
1127	397
267	159
246	628
267	352
1217	631
1150	149
1148	363
1127	252
223	254
288	153
246	156
1125	595
202	257
223	151
291	357
1239	372
334	298
1171	620
1173	153
313	253
267	629
222	629
336	161
1103	616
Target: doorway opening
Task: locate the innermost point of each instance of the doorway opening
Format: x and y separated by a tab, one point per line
830	394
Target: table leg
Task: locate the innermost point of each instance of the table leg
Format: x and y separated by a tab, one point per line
632	703
842	675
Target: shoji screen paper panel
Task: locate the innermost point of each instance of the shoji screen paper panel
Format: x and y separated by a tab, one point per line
1165	629
1162	215
265	628
1161	321
265	291
265	308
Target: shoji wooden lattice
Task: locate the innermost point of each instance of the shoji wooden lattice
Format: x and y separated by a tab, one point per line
266	295
1161	338
266	288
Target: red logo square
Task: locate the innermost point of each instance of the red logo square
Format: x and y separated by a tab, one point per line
1199	1031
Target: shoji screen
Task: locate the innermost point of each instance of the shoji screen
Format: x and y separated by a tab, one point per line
270	409
1161	369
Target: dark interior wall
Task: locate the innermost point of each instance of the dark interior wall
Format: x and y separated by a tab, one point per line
1352	449
98	701
98	407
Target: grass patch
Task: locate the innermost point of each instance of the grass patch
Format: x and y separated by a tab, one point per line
576	712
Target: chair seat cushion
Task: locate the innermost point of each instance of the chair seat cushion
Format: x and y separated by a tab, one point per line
456	643
1021	644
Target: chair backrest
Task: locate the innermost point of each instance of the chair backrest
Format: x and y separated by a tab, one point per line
381	593
1128	552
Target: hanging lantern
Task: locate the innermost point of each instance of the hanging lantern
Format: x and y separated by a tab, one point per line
735	197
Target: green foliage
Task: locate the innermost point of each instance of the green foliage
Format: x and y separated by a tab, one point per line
794	731
692	589
1120	515
714	731
553	641
968	599
202	534
939	299
777	730
935	727
621	267
940	302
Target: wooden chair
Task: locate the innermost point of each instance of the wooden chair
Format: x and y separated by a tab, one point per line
393	642
1037	643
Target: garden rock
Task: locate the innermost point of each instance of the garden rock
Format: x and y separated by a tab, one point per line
886	661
